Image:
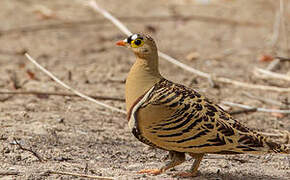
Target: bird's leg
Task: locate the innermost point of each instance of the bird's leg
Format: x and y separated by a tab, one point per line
176	159
194	168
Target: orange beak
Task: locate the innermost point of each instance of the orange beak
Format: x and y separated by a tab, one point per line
121	43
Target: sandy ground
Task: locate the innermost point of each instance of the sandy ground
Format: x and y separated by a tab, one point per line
77	45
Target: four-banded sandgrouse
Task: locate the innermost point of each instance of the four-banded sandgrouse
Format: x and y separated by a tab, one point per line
178	119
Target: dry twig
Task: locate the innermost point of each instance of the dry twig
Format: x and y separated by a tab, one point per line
71	89
29	150
170	59
39	93
286	111
80	175
270	74
276	28
283	58
283	24
124	112
125	30
273	64
243	111
9	173
263	99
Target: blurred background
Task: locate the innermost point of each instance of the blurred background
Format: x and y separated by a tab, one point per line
226	38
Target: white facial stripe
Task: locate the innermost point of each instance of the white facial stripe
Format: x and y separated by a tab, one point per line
125	40
134	37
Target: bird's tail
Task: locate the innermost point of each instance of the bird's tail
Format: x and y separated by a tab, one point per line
270	145
278	148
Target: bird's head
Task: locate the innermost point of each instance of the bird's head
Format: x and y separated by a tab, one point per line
141	44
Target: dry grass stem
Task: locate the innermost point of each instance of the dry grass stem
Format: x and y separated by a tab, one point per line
283	58
263	99
286	111
283	24
126	31
243	111
29	150
273	64
276	28
80	175
124	112
252	86
71	89
39	93
269	74
9	173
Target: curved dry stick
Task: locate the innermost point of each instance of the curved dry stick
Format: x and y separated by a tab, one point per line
283	111
271	74
80	175
125	30
71	89
39	93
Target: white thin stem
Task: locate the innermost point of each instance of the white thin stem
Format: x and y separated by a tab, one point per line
125	30
284	25
70	88
183	66
287	111
271	74
107	15
263	99
273	64
276	28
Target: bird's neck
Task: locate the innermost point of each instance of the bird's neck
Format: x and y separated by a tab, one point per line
143	75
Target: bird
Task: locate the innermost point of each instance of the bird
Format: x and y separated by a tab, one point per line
179	119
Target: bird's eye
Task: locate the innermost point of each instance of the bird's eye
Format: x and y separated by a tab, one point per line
137	43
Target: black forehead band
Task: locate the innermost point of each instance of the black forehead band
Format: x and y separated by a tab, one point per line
129	39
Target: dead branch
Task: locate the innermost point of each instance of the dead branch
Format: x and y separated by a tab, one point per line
29	150
287	111
71	89
283	24
283	58
39	93
15	80
126	31
122	111
265	100
80	175
252	86
273	64
270	74
243	111
276	28
9	173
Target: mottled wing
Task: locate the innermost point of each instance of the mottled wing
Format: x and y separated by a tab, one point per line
174	117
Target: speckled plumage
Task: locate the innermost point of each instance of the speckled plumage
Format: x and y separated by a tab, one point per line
180	120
